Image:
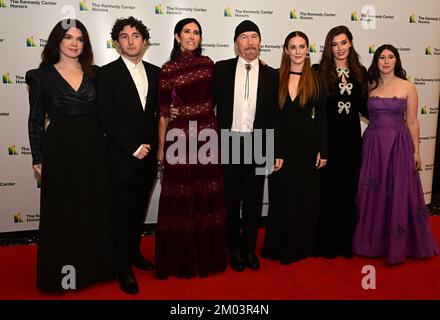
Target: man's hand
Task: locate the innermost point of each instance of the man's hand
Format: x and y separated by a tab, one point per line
143	151
278	164
320	163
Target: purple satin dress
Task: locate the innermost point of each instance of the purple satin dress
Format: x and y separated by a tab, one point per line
392	216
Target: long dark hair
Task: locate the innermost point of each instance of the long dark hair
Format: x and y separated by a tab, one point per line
373	70
307	86
51	51
327	65
175	52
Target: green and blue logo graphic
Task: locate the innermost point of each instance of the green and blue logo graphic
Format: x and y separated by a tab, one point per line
83	6
30	42
227	12
354	16
7	78
158	9
293	14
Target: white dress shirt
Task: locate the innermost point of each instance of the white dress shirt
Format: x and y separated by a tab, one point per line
245	104
139	76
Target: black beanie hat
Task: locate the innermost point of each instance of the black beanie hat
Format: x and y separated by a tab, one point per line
246	26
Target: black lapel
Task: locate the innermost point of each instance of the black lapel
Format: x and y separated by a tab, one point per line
230	86
261	85
151	85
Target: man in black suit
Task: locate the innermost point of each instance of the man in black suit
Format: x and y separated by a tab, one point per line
127	109
246	95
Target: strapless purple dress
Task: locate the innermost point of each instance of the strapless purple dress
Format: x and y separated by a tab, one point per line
392	216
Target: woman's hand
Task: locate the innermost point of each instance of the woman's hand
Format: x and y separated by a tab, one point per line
417	160
37	169
174	112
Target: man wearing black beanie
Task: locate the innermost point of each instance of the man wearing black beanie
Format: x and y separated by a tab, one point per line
246	96
246	26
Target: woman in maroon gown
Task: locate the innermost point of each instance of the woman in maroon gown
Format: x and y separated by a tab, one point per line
191	232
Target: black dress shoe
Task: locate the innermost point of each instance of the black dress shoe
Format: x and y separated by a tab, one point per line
141	263
237	262
127	281
252	261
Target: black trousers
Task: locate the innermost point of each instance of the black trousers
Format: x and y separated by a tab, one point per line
131	198
244	190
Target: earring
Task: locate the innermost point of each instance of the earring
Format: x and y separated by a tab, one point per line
308	55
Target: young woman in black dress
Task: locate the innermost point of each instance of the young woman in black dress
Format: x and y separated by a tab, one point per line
346	83
294	189
70	157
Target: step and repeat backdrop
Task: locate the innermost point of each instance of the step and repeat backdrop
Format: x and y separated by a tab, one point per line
411	26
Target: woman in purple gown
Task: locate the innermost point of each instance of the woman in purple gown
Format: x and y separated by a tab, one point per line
191	231
393	218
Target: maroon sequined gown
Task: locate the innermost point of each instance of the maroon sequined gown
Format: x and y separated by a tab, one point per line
191	232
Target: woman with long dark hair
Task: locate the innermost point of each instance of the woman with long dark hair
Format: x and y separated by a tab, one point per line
191	232
294	189
346	81
393	218
75	233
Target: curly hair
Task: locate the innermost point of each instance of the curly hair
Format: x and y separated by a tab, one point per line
132	22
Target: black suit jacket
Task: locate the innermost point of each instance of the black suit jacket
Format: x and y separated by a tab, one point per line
126	124
267	110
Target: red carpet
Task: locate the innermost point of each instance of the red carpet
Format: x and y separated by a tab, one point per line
313	278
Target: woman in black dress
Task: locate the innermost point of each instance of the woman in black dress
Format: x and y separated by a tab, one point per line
345	79
70	156
294	189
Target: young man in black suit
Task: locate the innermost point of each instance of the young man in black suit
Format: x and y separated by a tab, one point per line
246	95
127	109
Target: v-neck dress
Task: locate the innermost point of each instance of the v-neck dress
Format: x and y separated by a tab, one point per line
292	222
75	204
